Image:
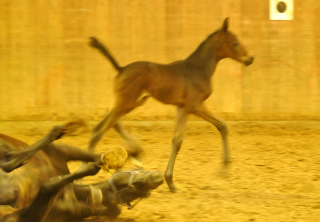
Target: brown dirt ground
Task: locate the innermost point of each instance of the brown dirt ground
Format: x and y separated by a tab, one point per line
274	175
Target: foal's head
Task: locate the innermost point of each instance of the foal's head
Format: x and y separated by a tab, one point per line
231	46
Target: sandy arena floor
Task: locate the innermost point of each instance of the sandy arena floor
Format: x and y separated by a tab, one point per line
274	176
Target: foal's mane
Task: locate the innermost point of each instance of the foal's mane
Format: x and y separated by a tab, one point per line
202	44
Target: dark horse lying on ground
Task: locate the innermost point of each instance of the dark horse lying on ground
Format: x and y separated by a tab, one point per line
35	182
185	84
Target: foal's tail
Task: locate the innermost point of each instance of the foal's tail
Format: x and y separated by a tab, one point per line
96	44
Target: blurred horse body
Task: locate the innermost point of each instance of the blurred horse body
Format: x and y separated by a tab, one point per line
26	184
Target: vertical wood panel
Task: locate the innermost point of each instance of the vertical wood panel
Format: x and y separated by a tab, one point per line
278	85
48	71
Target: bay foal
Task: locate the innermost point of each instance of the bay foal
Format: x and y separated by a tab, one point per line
185	84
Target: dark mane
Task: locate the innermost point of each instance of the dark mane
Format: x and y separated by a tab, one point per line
200	47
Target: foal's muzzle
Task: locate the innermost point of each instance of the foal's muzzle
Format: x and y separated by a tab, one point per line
247	60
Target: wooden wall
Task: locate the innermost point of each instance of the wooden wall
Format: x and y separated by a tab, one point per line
48	72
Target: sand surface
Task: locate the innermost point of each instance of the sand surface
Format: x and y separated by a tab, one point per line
274	175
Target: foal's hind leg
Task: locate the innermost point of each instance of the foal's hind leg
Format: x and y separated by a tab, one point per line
127	98
125	104
133	148
98	131
102	127
204	113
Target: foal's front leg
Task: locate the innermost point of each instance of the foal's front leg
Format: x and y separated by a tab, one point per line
204	113
176	145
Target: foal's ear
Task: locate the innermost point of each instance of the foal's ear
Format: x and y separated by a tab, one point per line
225	25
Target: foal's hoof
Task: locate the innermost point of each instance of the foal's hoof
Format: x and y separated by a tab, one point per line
227	162
170	183
133	149
173	190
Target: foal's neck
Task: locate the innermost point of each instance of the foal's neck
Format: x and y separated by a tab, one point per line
206	56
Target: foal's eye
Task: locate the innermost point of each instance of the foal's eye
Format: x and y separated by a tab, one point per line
236	43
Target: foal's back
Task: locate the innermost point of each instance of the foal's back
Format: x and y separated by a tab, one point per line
176	83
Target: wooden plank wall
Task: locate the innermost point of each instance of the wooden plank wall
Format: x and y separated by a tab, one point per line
48	72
